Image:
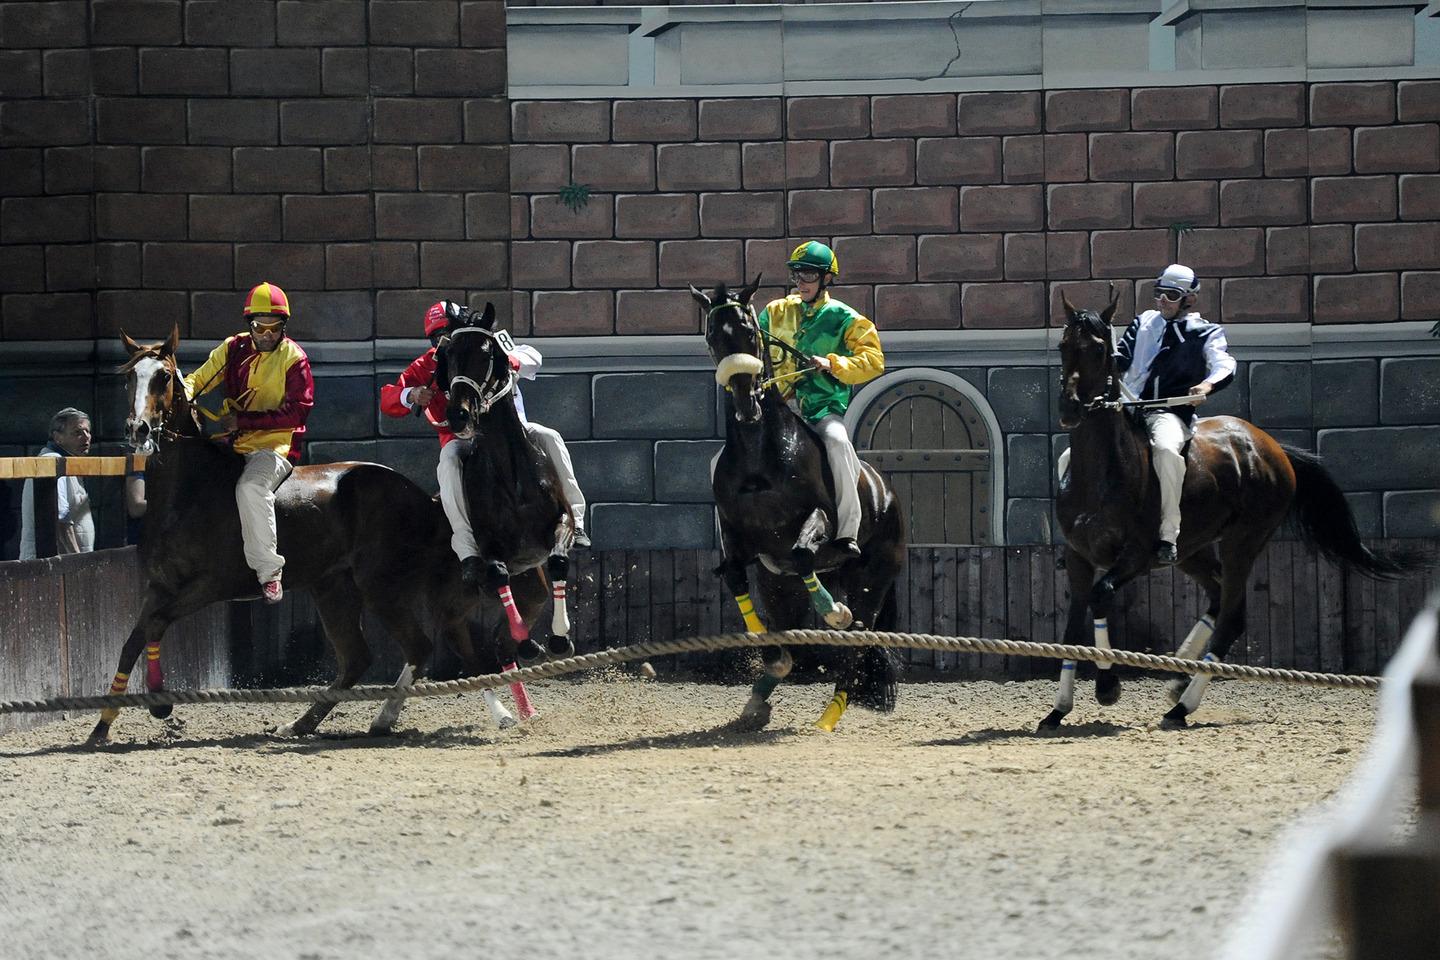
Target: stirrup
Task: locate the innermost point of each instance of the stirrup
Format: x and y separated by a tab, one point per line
847	545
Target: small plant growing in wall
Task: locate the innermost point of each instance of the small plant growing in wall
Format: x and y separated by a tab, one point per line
1180	228
575	196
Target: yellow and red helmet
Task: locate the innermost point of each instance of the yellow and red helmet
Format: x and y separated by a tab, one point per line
267	300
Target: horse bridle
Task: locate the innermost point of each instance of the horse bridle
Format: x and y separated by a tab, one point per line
767	340
488	399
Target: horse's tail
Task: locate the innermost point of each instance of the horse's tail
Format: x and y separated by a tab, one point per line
877	674
1327	523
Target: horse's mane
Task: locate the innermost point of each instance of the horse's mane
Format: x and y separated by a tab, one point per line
1093	324
151	350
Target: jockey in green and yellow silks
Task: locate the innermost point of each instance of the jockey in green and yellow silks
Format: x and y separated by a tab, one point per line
844	350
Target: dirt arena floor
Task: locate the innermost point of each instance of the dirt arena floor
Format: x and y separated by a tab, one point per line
624	821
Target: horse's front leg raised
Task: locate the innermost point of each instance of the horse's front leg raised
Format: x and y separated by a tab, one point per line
815	532
497	578
557	567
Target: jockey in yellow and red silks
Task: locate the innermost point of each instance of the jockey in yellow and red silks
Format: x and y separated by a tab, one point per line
268	395
845	351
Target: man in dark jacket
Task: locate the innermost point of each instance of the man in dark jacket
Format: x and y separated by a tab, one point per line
1172	351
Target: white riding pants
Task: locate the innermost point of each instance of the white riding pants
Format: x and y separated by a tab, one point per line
255	497
845	469
1168	434
451	474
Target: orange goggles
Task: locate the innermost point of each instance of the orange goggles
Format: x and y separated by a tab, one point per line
267	326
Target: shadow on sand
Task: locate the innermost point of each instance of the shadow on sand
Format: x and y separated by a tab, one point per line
1079	731
728	735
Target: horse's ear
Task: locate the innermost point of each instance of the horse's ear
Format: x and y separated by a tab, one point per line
172	342
1070	312
1109	310
130	345
700	298
749	291
487	316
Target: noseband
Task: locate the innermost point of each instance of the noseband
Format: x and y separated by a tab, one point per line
488	398
736	363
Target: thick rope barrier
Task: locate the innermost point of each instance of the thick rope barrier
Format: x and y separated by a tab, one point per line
724	641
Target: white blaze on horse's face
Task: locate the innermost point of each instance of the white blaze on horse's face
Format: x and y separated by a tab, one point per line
147	388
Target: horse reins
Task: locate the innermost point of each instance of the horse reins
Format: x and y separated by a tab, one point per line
768	340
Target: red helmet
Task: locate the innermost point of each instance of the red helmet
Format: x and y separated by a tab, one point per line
266	299
439	315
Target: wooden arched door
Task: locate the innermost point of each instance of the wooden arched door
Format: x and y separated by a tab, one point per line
937	447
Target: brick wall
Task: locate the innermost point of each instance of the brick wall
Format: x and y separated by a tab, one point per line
161	156
1293	201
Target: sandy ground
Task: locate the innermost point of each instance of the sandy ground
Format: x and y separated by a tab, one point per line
625	822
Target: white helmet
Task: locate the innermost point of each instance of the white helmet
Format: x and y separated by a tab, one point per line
1178	277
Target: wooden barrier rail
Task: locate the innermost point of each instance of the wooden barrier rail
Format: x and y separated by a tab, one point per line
46	471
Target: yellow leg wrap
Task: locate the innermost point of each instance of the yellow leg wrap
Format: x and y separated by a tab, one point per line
833	712
120	684
747	611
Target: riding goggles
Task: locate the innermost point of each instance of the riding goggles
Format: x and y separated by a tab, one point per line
1165	293
804	274
267	326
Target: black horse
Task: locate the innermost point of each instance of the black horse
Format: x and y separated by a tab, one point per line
776	501
1240	484
517	509
358	536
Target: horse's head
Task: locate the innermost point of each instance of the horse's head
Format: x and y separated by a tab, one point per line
153	389
475	369
1087	366
732	335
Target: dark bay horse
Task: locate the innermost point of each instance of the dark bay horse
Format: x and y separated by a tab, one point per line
1240	484
358	536
518	512
776	501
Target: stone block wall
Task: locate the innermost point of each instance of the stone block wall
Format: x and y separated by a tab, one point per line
162	156
1296	202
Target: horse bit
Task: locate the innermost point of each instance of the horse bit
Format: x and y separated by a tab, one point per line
769	341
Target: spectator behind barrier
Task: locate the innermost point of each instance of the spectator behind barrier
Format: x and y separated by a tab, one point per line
74	524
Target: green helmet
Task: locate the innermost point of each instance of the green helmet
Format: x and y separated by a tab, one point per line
813	253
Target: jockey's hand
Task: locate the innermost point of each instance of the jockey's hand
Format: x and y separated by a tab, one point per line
421	397
1201	390
821	363
228	423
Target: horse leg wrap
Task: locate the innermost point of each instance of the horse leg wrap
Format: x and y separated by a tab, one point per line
559	618
119	685
833	712
498	713
1065	696
1196	639
1102	639
747	611
819	597
518	631
1190	699
523	706
154	676
764	685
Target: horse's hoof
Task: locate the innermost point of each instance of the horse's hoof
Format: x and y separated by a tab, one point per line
1051	723
528	652
99	736
1174	690
1107	688
162	713
1175	719
839	618
506	722
560	647
754	719
289	730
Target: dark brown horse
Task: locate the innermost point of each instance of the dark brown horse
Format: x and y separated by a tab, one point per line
358	536
1240	484
776	501
518	512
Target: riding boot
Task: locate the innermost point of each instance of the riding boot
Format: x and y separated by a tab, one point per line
848	545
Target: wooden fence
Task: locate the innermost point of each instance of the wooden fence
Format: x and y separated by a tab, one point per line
66	618
1304	612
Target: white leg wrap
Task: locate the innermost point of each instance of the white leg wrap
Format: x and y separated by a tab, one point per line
502	717
559	618
389	713
1102	638
1196	639
1065	696
1190	699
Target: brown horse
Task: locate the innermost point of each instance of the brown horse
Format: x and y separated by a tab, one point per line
1240	484
358	536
